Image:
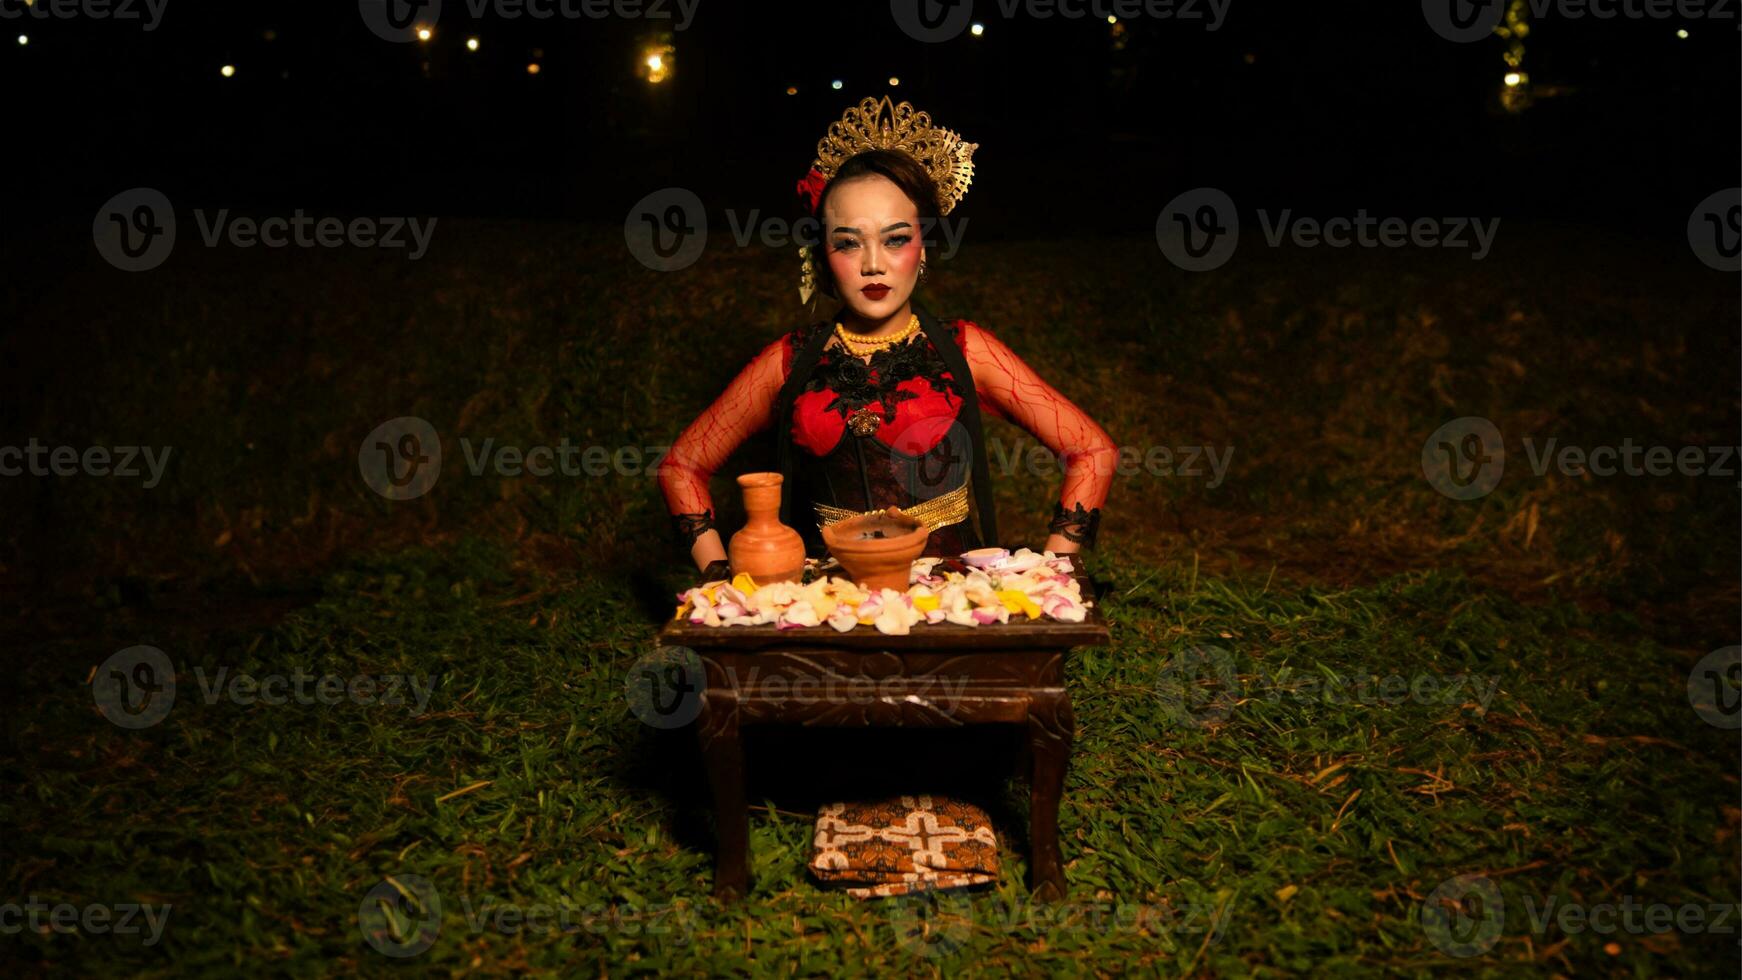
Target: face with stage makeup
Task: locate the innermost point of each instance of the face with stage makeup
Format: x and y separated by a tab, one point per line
871	238
872	220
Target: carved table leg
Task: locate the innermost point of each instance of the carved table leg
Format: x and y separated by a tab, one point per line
1050	730
723	753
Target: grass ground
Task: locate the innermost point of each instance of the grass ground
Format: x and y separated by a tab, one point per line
1330	691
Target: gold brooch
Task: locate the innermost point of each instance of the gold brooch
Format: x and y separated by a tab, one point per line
864	422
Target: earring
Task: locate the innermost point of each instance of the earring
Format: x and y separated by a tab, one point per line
922	270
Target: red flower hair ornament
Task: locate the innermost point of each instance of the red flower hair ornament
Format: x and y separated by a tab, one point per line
810	189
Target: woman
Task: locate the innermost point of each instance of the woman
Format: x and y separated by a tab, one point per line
881	405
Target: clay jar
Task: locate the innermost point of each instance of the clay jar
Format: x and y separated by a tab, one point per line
765	549
878	550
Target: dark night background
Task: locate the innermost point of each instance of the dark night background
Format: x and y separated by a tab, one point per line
1310	106
1593	610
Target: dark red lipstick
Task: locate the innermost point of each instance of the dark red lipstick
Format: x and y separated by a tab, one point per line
875	291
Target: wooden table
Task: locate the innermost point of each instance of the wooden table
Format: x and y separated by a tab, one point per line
936	676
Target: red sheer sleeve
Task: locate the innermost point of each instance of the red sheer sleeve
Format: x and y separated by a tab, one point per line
745	407
1009	389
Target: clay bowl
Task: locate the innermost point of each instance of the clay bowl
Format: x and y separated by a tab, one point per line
878	550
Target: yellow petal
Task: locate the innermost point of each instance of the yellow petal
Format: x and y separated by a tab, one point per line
925	603
1016	600
744	583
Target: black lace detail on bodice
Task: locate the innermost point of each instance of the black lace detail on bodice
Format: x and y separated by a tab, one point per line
857	383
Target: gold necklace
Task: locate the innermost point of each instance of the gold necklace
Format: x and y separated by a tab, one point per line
860	344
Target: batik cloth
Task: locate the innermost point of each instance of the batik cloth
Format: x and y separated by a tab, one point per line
902	845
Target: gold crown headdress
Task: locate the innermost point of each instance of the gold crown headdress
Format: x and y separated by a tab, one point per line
879	124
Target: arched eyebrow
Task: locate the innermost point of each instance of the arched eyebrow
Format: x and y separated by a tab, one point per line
855	231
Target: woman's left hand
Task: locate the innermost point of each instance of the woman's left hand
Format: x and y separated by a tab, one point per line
1058	544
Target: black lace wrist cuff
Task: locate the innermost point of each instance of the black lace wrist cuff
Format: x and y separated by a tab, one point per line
1077	525
690	526
719	568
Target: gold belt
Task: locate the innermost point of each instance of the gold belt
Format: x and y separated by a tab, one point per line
940	511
